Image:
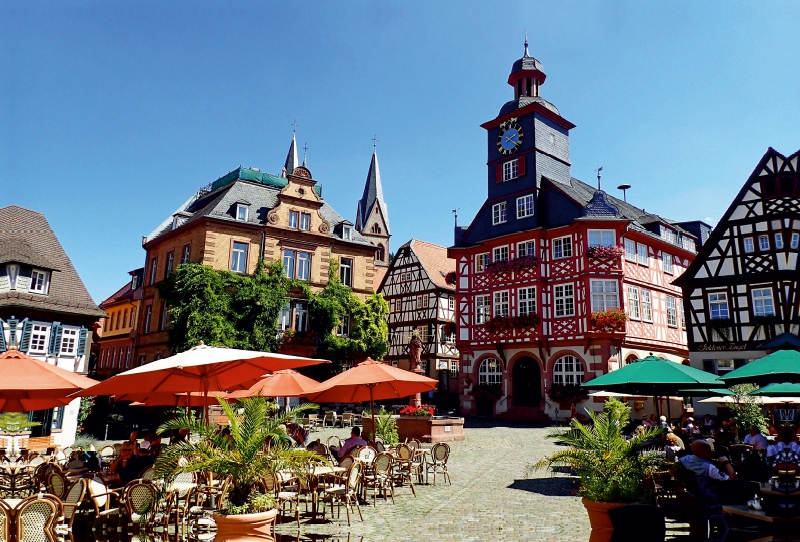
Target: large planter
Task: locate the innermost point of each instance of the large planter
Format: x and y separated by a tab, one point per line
602	528
431	429
244	527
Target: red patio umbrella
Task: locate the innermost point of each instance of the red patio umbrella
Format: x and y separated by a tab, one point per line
287	383
370	380
193	399
27	383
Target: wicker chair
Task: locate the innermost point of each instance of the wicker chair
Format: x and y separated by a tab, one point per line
140	498
347	461
367	454
333	441
347	419
380	477
438	462
102	499
345	494
330	418
72	501
36	519
404	469
287	500
5	522
57	484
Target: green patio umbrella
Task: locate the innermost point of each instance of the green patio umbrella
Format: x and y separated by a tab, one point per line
780	366
783	389
705	392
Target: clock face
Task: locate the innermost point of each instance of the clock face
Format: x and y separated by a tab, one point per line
510	138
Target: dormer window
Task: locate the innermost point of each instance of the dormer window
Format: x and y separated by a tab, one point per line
39	281
347	233
241	212
294	219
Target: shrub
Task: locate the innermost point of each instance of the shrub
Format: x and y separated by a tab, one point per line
386	428
567	393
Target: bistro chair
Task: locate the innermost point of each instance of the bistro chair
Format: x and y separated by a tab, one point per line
5	521
367	454
333	441
102	499
36	518
57	484
330	418
345	494
287	500
438	462
380	477
405	469
72	501
140	497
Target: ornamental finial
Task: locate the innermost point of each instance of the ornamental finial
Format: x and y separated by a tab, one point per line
526	44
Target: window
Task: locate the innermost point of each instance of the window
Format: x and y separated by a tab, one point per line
527	248
128	358
668	234
453	369
762	302
305	221
164	315
481	308
683	316
630	250
422	301
187	252
641	253
718	304
347	233
170	262
239	257
380	254
405	277
300	317
490	372
763	242
604	295
38	339
568	370
688	244
346	271
498	213
526	301
303	265
672	312
285	317
241	212
778	240
451	302
69	341
294	219
667	262
510	170
565	300
153	265
748	244
480	262
344	326
125	318
525	206
376	228
118	315
148	315
634	309
38	282
601	238
795	240
501	303
500	254
133	318
288	263
562	247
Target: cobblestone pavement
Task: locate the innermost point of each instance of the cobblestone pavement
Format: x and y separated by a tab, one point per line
490	499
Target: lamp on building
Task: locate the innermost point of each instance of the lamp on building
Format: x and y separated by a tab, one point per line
492	364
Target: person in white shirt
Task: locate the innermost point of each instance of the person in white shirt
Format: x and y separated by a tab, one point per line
700	462
756	439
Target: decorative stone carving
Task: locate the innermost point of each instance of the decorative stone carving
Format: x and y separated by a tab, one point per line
272	217
324	227
301	171
414	351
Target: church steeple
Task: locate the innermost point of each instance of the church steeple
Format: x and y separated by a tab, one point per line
372	215
291	158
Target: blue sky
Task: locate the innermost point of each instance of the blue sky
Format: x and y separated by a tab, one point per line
112	114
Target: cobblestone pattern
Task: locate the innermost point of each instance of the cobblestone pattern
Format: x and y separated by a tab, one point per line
490	498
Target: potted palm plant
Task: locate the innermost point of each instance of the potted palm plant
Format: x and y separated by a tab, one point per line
255	447
612	470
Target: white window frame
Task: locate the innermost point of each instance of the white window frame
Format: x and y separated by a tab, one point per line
294	219
451	302
749	246
347	233
40	333
303	266
346	271
630	250
480	261
647	305
239	256
526	248
148	318
501	305
510	170
525	206
718	300
69	341
186	255
453	368
562	247
500	254
499	213
343	329
153	268
605	294
763	242
483	307
568	370
242	212
634	308
763	302
305	221
301	317
170	263
795	242
490	372
564	296
642	254
39	281
289	260
526	301
602	238
778	240
672	311
667	259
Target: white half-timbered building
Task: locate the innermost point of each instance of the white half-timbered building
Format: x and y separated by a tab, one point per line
741	292
420	298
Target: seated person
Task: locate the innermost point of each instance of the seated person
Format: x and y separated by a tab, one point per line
785	453
662	422
756	439
354	440
673	446
128	467
699	462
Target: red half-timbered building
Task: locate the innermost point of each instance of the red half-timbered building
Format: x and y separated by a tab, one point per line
550	264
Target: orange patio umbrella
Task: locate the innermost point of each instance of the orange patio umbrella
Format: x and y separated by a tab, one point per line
287	383
27	383
368	381
193	399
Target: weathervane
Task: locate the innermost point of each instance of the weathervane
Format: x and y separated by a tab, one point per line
294	126
375	142
455	216
526	44
305	151
598	170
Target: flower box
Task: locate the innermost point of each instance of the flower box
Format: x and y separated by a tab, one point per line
605	253
505	324
516	265
611	320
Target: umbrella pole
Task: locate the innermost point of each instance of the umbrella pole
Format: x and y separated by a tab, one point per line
669	414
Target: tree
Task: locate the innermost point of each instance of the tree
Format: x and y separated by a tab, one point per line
747	409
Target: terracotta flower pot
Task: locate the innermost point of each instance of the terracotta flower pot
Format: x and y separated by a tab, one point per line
244	527
598	515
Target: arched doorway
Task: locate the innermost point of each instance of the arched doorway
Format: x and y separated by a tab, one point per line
527	383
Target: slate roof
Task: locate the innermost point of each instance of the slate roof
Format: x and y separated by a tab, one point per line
584	193
17	250
527	62
220	204
522	101
435	261
21	228
373	193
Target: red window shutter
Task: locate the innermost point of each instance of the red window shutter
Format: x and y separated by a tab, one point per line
498	173
521	166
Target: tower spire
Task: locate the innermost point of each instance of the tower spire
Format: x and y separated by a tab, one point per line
291	156
599	170
305	152
526	44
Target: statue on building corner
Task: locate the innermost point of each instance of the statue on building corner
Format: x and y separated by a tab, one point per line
414	351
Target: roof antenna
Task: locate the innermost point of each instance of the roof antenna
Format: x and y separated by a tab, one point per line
526	44
624	188
305	151
598	170
455	216
375	143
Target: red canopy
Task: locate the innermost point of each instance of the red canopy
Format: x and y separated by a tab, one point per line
287	383
29	384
